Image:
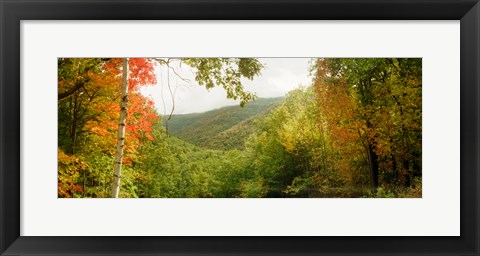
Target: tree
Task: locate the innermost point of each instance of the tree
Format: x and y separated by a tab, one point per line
374	104
122	122
223	72
88	120
210	72
74	74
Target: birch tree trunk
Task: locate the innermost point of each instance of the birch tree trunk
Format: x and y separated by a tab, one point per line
117	175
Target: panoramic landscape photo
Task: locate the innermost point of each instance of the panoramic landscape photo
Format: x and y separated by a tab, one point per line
239	127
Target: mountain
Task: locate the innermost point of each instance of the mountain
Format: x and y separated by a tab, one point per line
224	128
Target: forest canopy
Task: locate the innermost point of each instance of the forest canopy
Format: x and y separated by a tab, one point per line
354	131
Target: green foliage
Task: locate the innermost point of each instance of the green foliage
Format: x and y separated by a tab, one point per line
413	191
382	193
301	187
253	188
227	73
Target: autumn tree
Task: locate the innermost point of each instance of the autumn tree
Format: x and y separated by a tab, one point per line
365	102
88	116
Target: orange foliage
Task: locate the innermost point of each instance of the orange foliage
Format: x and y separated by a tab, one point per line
340	113
69	168
142	72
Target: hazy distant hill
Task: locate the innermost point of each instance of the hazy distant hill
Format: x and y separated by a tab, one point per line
223	128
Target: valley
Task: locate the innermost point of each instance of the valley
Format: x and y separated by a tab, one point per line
224	128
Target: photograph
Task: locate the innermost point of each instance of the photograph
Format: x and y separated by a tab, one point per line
238	127
247	128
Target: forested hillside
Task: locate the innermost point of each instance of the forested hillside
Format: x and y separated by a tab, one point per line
224	128
355	131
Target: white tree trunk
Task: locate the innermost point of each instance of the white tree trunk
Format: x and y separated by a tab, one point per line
121	131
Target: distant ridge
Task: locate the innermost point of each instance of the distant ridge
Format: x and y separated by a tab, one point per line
224	128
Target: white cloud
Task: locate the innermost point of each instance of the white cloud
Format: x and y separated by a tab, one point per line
279	76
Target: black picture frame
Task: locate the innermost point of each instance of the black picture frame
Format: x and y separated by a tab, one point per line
13	11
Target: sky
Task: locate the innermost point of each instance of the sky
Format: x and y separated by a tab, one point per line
279	76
